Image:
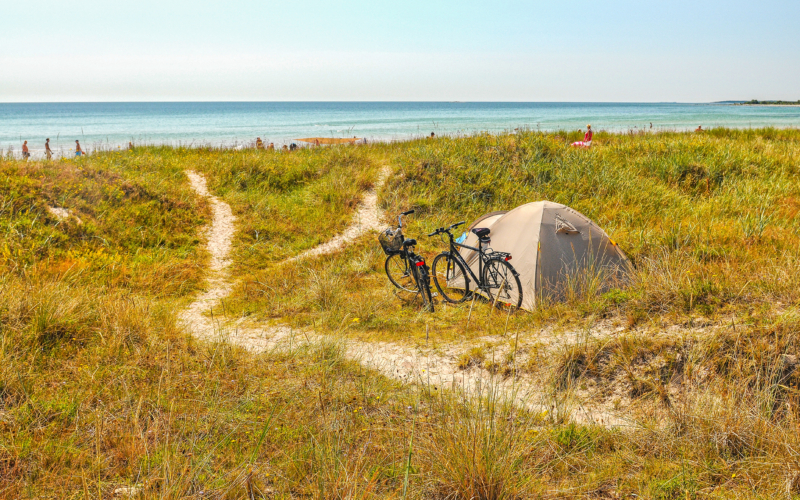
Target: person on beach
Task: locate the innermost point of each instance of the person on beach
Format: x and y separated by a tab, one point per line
587	139
130	146
285	148
47	152
316	143
78	150
433	136
25	153
699	129
259	143
271	146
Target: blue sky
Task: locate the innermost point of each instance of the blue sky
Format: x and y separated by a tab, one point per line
699	51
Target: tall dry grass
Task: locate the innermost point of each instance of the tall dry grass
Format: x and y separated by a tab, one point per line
100	389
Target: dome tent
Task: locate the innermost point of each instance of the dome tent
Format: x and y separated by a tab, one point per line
556	250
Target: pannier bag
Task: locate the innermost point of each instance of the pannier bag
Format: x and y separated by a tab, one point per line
391	241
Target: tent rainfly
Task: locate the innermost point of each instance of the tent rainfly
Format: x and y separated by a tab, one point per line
556	250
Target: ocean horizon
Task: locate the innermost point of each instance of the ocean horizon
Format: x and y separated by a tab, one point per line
109	125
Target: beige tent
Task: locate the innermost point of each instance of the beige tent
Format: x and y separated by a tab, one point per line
556	250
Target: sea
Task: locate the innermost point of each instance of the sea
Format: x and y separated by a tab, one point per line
111	125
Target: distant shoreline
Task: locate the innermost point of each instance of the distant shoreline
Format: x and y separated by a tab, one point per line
91	148
777	103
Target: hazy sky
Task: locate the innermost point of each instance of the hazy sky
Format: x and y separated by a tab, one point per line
673	50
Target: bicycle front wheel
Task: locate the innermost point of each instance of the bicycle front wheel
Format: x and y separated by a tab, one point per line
450	278
502	283
400	274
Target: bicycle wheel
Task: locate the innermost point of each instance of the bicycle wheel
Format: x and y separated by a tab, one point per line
450	278
399	274
424	280
502	282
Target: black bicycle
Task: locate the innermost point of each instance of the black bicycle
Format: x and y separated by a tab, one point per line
496	278
406	270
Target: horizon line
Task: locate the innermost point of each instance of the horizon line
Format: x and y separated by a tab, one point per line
370	101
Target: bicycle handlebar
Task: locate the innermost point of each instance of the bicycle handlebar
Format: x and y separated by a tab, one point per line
400	218
443	230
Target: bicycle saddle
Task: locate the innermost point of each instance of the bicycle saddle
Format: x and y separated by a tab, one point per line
410	242
481	232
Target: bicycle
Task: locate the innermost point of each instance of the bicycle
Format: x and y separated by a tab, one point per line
499	281
406	270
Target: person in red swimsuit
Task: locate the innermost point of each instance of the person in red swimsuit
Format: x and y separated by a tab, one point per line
587	139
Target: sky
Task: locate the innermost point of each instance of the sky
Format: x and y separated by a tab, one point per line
310	50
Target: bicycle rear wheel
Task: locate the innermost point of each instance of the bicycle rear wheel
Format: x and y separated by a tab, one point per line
450	278
502	284
400	274
424	281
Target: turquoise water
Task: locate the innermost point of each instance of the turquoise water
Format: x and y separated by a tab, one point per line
232	124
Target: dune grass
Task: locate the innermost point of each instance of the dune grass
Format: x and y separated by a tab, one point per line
126	220
100	388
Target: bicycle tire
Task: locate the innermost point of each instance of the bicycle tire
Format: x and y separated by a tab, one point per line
399	274
502	283
423	279
448	280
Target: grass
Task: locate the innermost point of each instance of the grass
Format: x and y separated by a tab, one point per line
100	387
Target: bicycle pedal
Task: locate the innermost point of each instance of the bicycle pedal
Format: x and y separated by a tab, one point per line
434	294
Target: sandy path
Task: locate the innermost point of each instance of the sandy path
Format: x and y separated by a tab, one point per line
220	237
436	367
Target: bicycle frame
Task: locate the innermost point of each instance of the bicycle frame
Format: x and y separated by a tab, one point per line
489	265
457	255
413	263
406	252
